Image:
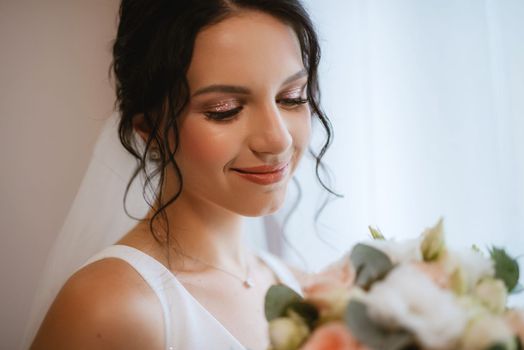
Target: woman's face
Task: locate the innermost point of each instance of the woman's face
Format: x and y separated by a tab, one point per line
247	123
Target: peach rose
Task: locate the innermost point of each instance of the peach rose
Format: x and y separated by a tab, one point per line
340	273
332	336
329	290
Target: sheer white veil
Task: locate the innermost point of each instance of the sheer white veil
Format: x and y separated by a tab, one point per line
96	219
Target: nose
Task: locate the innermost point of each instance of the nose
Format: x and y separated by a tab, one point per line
270	133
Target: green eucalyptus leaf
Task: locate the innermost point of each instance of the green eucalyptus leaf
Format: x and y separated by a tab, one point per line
306	311
370	265
277	300
506	268
373	335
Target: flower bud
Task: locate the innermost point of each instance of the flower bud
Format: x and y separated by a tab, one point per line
486	331
492	294
331	303
458	282
287	333
433	243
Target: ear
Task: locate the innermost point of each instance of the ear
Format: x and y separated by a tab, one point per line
141	128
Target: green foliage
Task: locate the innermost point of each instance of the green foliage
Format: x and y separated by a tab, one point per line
373	335
506	268
278	298
370	265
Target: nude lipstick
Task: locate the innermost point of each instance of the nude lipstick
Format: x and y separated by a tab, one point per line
265	174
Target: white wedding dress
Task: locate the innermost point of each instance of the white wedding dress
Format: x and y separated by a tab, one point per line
188	325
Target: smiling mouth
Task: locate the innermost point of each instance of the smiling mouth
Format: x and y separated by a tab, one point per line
264	175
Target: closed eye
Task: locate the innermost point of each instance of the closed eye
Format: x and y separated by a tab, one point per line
288	103
225	115
291	103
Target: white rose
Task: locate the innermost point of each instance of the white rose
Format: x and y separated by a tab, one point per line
409	299
399	252
467	268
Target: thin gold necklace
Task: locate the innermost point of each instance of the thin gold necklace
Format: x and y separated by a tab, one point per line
247	282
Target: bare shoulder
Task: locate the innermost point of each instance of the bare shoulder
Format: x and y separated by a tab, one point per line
105	305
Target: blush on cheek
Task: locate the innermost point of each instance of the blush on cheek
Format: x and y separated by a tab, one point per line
302	132
307	128
205	143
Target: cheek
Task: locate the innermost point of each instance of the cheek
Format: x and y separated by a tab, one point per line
205	144
302	131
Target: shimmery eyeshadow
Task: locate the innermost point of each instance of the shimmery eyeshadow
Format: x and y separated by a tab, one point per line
224	107
295	93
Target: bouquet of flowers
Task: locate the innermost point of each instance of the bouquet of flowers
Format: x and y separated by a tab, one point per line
393	295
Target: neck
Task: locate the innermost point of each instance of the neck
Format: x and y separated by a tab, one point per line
204	231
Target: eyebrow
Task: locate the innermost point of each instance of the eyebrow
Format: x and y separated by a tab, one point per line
233	89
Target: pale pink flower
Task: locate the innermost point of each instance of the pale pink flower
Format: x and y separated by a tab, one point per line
332	336
329	290
436	272
338	274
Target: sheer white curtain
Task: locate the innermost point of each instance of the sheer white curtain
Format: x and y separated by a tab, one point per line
427	102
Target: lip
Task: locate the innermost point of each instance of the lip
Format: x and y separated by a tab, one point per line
263	169
264	175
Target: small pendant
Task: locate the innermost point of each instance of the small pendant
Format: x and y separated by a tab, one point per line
248	283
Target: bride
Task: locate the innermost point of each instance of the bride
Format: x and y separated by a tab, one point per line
216	100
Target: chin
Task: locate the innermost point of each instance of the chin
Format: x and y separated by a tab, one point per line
261	208
259	213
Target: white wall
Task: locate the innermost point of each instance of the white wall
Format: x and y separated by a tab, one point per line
54	96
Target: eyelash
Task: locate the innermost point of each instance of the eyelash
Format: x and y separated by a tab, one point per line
289	103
